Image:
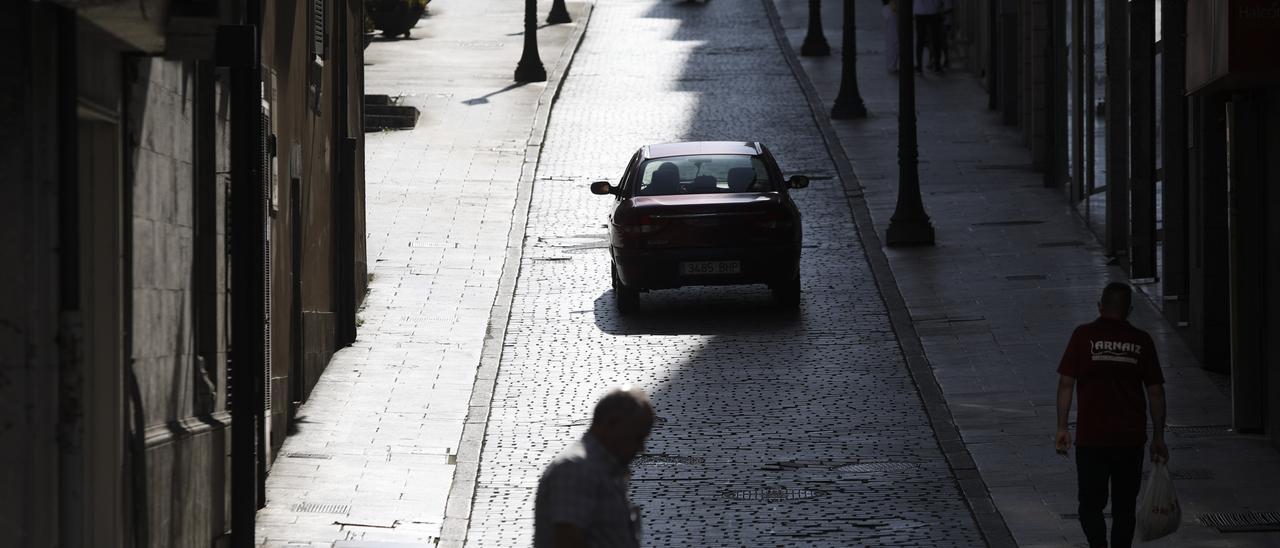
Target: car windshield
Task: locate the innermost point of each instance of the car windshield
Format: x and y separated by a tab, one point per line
704	174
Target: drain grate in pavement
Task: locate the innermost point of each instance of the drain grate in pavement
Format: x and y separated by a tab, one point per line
865	467
1197	431
1022	222
320	456
1241	522
319	508
1192	474
1027	277
1069	243
664	460
772	494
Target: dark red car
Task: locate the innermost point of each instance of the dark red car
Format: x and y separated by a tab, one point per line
703	213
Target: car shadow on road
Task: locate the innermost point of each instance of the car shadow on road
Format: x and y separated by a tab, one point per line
698	311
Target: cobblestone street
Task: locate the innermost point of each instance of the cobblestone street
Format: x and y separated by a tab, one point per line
774	429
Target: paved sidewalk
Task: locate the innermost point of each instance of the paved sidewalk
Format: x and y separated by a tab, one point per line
994	302
374	455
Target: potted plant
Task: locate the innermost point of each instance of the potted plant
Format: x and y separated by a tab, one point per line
395	17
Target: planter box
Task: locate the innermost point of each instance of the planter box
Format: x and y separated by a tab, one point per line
394	17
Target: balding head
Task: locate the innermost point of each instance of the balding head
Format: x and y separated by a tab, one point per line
623	402
622	420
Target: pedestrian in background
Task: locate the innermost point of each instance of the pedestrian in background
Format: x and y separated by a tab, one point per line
929	32
944	40
582	495
1113	367
890	13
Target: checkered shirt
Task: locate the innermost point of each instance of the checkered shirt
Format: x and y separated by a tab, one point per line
586	487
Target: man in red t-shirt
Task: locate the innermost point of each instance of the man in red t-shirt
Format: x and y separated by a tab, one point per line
1113	367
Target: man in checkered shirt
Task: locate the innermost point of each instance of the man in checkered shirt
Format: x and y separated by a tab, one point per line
582	495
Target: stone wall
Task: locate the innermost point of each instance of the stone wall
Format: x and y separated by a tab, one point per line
182	397
160	121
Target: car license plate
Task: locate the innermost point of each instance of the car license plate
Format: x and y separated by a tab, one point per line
697	268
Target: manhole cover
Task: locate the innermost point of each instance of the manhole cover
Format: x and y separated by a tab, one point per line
772	494
1192	474
1203	430
309	456
319	508
664	460
865	467
1239	522
1008	223
1072	243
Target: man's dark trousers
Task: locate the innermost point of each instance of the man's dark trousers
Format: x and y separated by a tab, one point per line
1096	467
929	33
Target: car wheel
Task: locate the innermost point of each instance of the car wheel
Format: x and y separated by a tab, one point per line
625	298
787	293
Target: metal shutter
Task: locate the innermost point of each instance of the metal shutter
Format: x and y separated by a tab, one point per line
268	175
318	42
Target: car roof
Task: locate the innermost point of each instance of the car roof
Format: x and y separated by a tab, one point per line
689	148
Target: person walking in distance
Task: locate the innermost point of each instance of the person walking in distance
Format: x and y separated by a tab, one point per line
582	494
928	18
889	11
1112	367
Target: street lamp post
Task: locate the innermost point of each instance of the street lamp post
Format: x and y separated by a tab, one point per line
815	44
530	69
559	14
849	101
909	225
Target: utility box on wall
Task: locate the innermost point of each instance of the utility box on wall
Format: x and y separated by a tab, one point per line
1232	44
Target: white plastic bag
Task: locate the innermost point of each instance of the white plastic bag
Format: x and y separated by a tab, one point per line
1158	509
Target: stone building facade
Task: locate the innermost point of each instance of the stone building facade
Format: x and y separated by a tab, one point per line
121	133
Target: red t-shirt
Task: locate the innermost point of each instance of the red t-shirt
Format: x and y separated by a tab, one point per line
1113	364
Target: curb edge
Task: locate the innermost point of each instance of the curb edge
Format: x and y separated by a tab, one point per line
457	514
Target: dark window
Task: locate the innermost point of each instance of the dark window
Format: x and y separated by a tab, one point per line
704	174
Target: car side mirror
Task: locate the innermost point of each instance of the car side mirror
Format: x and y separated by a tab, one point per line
798	181
602	187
